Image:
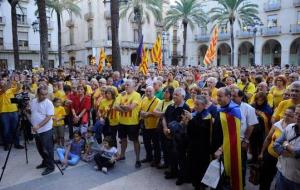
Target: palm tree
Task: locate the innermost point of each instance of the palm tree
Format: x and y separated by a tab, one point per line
115	47
58	6
188	12
43	32
229	11
141	9
13	12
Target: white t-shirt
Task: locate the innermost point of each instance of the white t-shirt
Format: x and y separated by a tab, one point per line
39	111
109	153
248	117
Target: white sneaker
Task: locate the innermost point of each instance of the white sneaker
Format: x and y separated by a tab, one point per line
104	170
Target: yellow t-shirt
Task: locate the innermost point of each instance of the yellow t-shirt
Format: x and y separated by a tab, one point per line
105	107
250	89
277	133
269	98
59	113
5	104
97	97
190	102
33	87
163	105
130	117
279	111
59	94
89	90
148	106
277	95
214	93
174	84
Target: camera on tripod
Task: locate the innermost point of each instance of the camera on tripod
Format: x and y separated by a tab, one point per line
22	99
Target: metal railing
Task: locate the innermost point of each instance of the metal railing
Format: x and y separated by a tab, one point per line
295	28
70	23
242	34
134	45
89	16
274	6
224	36
271	31
23	22
202	37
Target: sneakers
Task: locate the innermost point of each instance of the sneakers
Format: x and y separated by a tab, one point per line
138	164
104	170
47	171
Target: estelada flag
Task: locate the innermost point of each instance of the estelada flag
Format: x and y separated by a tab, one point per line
211	52
101	60
144	63
230	117
156	53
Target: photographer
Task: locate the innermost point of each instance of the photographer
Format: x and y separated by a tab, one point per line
9	113
42	111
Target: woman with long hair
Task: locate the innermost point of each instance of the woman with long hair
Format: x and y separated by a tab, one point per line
278	89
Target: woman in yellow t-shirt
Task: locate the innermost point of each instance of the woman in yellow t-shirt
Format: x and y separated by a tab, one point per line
194	91
268	155
278	89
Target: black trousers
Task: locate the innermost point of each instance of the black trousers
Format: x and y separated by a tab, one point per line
181	150
164	143
151	143
268	171
102	161
45	147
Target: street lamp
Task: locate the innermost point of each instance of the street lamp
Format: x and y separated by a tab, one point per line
165	37
36	28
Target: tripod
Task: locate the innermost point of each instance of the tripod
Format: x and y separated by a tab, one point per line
11	144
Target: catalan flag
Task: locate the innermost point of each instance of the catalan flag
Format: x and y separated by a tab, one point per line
212	50
156	53
231	124
144	63
101	62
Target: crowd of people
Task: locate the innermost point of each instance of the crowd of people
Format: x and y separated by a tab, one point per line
247	118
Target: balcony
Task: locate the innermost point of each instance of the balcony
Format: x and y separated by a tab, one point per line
2	21
295	29
244	34
274	6
70	47
202	38
223	36
271	31
89	16
134	45
70	23
23	23
296	3
107	14
90	44
159	24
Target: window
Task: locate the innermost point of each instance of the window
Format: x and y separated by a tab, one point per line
298	17
49	40
272	21
203	30
51	63
273	2
21	15
71	36
90	33
24	65
135	35
109	33
23	39
3	64
223	28
1	38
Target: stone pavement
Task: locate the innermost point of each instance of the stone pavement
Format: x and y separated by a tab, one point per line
20	176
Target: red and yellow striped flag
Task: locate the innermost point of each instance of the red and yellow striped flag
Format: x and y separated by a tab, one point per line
211	52
101	62
144	63
156	53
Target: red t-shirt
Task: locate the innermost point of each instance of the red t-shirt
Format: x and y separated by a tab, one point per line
78	106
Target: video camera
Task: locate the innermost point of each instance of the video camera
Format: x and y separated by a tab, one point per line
22	99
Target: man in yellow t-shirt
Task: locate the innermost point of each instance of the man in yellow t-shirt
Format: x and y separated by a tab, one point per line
295	100
9	113
246	86
150	133
129	108
171	81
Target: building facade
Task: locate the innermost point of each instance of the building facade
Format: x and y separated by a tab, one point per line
277	39
29	40
84	36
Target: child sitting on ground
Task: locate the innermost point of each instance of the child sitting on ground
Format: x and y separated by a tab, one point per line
58	122
71	155
107	156
89	140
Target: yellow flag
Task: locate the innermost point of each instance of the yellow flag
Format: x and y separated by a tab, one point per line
144	63
211	52
101	60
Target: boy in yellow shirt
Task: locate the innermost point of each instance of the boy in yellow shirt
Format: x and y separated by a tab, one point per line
58	122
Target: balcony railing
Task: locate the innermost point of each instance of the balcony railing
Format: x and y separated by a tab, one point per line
70	47
134	45
274	6
202	38
2	20
70	23
224	36
295	28
297	3
23	23
244	34
89	16
271	31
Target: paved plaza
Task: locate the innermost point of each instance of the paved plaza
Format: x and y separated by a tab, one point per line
20	176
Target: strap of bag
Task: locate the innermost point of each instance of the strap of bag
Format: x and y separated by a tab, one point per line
151	104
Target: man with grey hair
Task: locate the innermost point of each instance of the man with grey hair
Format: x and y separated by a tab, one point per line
158	91
176	154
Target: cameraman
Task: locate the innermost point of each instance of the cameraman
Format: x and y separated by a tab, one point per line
9	113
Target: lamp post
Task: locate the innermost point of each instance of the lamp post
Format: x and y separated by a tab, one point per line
36	28
115	47
165	37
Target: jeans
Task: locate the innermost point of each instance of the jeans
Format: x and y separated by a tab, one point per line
45	146
284	184
9	123
98	129
73	159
